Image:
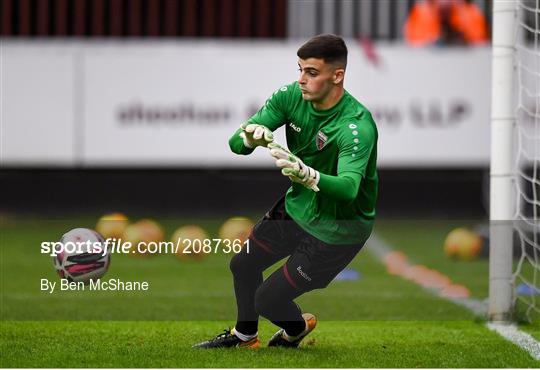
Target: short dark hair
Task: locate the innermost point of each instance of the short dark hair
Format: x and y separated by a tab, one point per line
329	47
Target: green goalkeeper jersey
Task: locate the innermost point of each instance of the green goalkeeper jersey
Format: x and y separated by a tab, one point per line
341	143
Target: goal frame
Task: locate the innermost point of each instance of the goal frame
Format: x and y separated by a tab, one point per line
502	180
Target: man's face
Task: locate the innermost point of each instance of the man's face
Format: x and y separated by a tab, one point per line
316	78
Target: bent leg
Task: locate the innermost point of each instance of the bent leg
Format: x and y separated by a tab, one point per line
247	269
273	238
274	299
313	265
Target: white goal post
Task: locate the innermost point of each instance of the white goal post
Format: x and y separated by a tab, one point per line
502	206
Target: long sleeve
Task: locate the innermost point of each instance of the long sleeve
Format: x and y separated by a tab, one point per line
272	115
237	144
341	188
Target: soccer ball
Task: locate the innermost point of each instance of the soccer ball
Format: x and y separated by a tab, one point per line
236	228
462	244
143	231
190	238
112	225
78	263
150	230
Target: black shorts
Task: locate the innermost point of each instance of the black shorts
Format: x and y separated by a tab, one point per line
312	264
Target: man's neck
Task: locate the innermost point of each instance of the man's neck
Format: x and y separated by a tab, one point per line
330	100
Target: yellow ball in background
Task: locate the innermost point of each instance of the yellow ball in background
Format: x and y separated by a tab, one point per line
462	244
112	225
190	239
132	234
143	231
151	231
236	228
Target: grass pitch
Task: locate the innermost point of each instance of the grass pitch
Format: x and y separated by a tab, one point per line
377	321
333	344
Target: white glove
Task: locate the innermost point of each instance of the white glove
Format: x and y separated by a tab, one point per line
255	135
293	167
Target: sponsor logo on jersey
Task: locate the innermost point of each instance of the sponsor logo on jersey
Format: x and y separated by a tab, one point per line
303	274
294	127
321	140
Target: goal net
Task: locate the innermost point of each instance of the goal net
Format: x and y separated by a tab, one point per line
515	162
526	274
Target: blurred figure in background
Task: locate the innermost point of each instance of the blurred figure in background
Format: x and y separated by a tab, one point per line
445	22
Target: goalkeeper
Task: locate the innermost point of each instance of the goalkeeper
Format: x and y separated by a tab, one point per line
327	214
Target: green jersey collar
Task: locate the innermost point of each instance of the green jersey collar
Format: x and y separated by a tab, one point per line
329	111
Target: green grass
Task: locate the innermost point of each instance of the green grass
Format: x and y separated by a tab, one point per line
333	344
422	241
377	321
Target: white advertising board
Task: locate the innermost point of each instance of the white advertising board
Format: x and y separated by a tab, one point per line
37	106
177	103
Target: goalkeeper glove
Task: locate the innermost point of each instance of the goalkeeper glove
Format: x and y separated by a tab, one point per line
293	167
255	135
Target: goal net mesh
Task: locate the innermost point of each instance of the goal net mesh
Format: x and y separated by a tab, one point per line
527	160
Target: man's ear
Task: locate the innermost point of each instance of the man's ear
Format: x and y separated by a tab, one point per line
338	75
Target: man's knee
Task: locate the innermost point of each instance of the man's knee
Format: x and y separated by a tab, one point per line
276	291
237	265
243	263
264	300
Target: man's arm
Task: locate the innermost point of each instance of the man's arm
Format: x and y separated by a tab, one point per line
355	151
257	130
252	135
341	188
236	143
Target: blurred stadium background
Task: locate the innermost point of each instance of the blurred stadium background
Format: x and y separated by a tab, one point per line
127	106
116	97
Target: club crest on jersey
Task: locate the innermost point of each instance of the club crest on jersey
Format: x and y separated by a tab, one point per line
321	140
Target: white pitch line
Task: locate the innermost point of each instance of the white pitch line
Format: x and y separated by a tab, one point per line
380	248
518	337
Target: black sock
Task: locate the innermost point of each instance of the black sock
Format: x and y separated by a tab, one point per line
247	268
246	327
292	328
